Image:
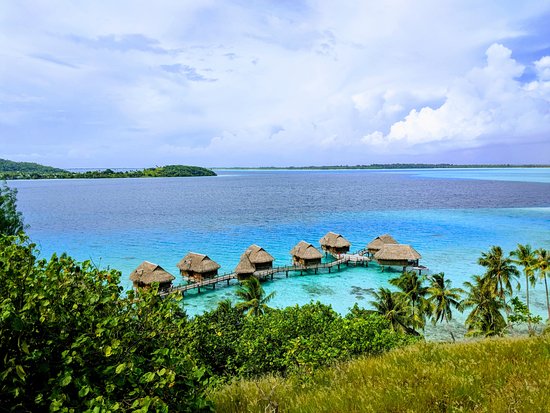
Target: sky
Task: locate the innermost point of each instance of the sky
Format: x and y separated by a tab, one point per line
132	83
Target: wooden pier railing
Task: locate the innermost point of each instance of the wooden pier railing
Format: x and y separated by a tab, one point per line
342	259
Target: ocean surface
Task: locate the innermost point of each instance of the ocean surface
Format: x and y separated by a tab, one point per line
449	215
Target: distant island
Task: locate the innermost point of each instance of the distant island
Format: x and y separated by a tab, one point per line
10	170
387	166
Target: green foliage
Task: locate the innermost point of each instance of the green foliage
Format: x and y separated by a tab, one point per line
500	272
485	318
525	256
414	292
301	339
70	342
11	220
541	266
295	340
521	314
395	307
157	172
499	375
27	167
254	301
212	339
26	170
443	298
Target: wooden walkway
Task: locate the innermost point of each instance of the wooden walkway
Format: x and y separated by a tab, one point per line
342	259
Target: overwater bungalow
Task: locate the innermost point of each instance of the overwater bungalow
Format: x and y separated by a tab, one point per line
333	243
255	258
148	273
197	267
305	254
376	244
244	269
398	255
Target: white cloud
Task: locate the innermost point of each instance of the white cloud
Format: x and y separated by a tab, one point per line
123	82
489	104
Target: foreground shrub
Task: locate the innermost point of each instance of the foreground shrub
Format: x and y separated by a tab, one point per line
302	339
69	341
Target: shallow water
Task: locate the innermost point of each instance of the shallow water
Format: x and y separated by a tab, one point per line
448	217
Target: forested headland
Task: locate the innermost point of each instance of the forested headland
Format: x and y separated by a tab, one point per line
10	170
392	166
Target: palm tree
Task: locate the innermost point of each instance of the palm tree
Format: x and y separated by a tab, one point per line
500	271
224	306
485	318
541	265
393	307
526	258
411	284
443	298
254	301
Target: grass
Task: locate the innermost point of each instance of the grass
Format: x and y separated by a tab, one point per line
492	375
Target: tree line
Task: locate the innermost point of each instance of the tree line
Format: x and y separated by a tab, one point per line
10	170
493	308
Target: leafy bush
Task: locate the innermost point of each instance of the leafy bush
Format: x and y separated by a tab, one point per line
11	221
69	341
212	339
301	339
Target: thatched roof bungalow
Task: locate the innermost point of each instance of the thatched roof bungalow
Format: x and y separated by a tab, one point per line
255	258
376	244
197	267
305	254
148	273
397	255
261	259
334	243
244	268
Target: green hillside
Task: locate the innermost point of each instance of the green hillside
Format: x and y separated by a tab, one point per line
27	167
10	170
491	375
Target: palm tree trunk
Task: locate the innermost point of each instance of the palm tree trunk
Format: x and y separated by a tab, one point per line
449	329
506	309
527	301
547	302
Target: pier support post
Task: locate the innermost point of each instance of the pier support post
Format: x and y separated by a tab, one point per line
286	274
198	290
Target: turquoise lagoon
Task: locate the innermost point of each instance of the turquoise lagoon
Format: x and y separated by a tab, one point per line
449	216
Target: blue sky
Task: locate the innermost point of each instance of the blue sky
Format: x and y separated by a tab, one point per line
260	83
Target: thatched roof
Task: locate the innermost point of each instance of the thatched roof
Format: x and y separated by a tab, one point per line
397	252
199	263
380	241
258	255
306	251
147	273
334	240
245	266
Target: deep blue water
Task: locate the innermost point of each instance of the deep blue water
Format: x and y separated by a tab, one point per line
449	216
